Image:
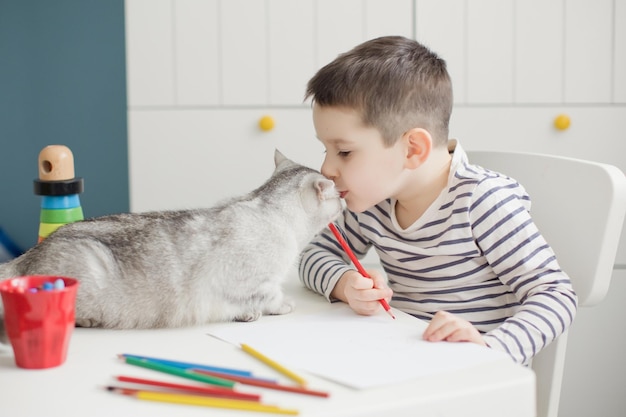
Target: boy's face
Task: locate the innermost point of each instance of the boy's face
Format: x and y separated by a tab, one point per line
364	170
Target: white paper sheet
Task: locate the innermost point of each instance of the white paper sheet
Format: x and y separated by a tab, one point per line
357	351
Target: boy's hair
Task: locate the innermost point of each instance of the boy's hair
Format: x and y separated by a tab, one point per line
395	83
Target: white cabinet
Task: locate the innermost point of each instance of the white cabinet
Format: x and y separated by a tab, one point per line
205	71
195	158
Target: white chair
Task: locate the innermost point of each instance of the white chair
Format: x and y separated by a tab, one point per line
579	207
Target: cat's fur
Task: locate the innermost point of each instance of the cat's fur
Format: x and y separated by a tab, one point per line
181	268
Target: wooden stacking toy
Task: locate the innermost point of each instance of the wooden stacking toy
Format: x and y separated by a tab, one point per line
59	189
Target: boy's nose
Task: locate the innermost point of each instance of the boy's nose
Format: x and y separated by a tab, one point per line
327	170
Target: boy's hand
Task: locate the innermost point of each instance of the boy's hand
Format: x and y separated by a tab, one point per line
446	326
362	293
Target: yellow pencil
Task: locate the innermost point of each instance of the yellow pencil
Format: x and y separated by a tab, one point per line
276	366
211	402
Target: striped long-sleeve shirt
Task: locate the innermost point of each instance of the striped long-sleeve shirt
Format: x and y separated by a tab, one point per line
475	252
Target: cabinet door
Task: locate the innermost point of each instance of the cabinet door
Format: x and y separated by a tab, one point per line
149	53
197	52
538	51
383	17
244	67
490	51
619	52
447	40
291	51
206	155
339	28
588	51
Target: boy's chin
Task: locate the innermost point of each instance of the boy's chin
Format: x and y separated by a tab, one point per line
357	206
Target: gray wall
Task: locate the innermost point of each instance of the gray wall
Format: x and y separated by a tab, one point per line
62	81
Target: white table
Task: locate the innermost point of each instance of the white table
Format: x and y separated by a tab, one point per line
76	388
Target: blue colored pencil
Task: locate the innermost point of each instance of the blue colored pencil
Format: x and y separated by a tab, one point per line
188	365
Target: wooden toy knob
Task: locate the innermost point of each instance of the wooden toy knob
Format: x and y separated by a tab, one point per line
266	123
56	163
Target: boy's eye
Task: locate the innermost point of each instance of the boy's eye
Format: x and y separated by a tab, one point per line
343	154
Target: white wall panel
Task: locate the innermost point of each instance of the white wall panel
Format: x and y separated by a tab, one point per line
441	25
588	51
149	53
340	27
291	50
538	62
384	17
619	52
196	30
490	51
244	52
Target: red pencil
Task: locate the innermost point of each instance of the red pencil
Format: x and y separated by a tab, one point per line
263	383
356	263
211	391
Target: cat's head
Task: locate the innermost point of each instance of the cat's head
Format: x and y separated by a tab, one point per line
317	194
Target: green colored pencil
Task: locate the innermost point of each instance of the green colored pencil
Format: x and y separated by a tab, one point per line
172	370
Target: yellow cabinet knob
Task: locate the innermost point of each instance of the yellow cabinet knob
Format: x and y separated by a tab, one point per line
266	123
562	122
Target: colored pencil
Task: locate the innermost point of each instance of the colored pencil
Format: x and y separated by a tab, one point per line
199	400
172	370
211	391
187	365
273	364
263	384
357	264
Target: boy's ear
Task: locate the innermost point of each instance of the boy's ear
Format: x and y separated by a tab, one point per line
419	144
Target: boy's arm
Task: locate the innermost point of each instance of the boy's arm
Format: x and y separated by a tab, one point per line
325	268
523	260
322	263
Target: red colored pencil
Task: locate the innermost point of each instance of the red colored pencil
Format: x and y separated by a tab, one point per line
211	391
356	263
263	383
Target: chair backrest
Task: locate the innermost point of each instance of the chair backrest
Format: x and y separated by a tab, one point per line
579	207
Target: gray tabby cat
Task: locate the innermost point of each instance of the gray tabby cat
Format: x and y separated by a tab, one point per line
180	268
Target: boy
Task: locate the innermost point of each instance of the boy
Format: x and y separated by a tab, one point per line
456	241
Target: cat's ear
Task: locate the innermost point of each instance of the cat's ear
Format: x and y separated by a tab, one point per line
325	189
281	160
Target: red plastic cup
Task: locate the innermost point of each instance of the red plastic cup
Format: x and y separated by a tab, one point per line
39	322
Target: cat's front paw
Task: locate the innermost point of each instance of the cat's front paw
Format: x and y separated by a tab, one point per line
287	306
82	322
249	316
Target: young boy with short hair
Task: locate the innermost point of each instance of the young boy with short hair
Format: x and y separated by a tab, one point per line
456	241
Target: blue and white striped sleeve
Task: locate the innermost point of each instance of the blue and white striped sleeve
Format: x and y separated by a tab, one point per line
523	260
323	260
